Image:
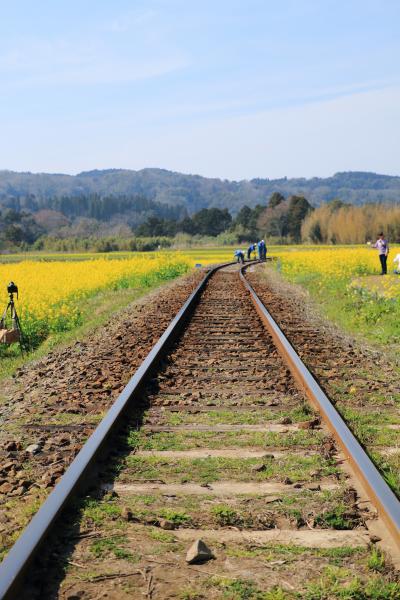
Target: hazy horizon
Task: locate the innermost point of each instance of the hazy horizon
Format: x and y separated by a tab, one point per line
194	174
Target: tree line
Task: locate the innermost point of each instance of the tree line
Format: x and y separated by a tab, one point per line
193	192
94	206
281	219
147	226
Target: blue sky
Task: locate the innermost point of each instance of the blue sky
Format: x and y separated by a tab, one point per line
231	89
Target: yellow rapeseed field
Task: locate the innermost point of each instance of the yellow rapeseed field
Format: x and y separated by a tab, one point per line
51	290
358	266
50	293
331	262
346	284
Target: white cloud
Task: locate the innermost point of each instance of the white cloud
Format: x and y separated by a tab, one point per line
72	63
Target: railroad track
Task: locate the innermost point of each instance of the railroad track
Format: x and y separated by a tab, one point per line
214	438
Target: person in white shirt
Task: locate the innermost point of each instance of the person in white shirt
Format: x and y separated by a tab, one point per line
382	246
397	260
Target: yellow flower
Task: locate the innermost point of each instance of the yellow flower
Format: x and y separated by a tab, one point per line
50	292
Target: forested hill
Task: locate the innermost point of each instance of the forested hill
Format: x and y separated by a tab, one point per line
194	192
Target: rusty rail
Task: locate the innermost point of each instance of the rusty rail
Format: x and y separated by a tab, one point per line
380	494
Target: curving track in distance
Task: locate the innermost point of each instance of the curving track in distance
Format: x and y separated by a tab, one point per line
213	438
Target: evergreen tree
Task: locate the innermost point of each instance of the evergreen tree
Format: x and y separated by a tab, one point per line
275	199
299	207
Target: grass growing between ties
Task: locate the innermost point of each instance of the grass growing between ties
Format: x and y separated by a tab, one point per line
238	416
207	470
389	466
97	512
177	517
324	509
226	516
113	546
337	582
208	439
275	551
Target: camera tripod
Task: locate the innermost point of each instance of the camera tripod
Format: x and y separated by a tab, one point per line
15	334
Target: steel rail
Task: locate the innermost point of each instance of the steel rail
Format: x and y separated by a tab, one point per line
380	494
76	478
14	567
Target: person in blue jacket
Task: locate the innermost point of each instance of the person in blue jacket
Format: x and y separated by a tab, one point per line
250	249
262	250
239	256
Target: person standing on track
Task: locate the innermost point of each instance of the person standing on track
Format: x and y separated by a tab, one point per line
383	248
262	250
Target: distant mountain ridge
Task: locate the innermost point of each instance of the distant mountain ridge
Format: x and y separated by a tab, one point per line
195	192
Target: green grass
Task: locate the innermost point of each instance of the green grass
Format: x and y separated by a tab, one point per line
338	582
207	470
334	583
300	506
337	518
161	536
177	517
113	546
97	511
377	560
209	439
240	589
238	416
61	418
190	594
225	516
275	551
376	319
370	429
371	418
